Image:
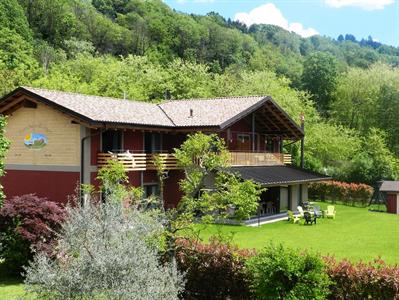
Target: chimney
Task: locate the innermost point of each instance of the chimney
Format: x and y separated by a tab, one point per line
191	113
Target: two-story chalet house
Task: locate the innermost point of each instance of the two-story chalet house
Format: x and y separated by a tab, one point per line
59	140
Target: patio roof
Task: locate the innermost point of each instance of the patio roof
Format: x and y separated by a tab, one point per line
278	175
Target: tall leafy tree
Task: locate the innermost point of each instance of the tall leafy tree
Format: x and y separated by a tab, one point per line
388	108
319	77
207	187
12	17
375	162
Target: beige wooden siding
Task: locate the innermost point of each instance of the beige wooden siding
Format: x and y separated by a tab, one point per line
63	148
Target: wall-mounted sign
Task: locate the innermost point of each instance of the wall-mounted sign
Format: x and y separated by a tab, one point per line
35	140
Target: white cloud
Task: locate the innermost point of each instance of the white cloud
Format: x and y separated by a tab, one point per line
270	14
365	4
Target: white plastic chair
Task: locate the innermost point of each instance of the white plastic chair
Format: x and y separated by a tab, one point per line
300	210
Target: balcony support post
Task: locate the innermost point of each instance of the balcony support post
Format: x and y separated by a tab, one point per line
302	142
253	131
302	154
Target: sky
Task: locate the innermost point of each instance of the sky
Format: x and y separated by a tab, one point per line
362	18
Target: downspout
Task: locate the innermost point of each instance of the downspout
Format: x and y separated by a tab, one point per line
302	140
302	117
82	162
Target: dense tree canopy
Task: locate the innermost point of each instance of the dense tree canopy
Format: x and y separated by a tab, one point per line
319	78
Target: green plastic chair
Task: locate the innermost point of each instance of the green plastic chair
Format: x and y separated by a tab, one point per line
330	212
292	218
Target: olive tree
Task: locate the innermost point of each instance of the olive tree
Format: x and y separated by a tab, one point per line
105	252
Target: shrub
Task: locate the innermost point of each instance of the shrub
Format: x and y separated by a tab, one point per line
213	271
28	223
373	280
105	252
283	273
347	193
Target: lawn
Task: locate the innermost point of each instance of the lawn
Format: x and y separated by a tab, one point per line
11	289
356	234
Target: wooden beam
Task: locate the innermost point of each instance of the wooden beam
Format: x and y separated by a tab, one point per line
12	103
284	122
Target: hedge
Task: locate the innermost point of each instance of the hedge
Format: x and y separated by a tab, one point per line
219	271
214	271
347	193
373	280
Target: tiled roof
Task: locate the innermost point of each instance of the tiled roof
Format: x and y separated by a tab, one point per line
216	112
208	112
276	175
104	109
389	186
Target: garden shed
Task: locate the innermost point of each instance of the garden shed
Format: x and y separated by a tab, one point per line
391	191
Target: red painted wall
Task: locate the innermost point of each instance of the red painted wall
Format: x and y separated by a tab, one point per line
135	178
172	192
243	126
391	203
56	186
133	140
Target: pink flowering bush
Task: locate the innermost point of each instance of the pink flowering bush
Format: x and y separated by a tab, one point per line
347	193
28	223
373	280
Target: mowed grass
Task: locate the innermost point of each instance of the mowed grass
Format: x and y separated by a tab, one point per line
12	288
356	234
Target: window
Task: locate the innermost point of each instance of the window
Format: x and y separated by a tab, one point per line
151	190
243	138
111	140
269	145
152	142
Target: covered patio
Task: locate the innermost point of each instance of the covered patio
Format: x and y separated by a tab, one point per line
287	187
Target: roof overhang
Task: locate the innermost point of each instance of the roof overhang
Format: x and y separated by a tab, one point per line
272	119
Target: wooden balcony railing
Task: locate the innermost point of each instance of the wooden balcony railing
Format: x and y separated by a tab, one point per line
144	161
259	159
137	161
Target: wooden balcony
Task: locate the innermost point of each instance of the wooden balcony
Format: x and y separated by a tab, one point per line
137	161
259	159
144	161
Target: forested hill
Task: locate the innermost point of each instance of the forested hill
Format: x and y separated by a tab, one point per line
348	89
122	27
